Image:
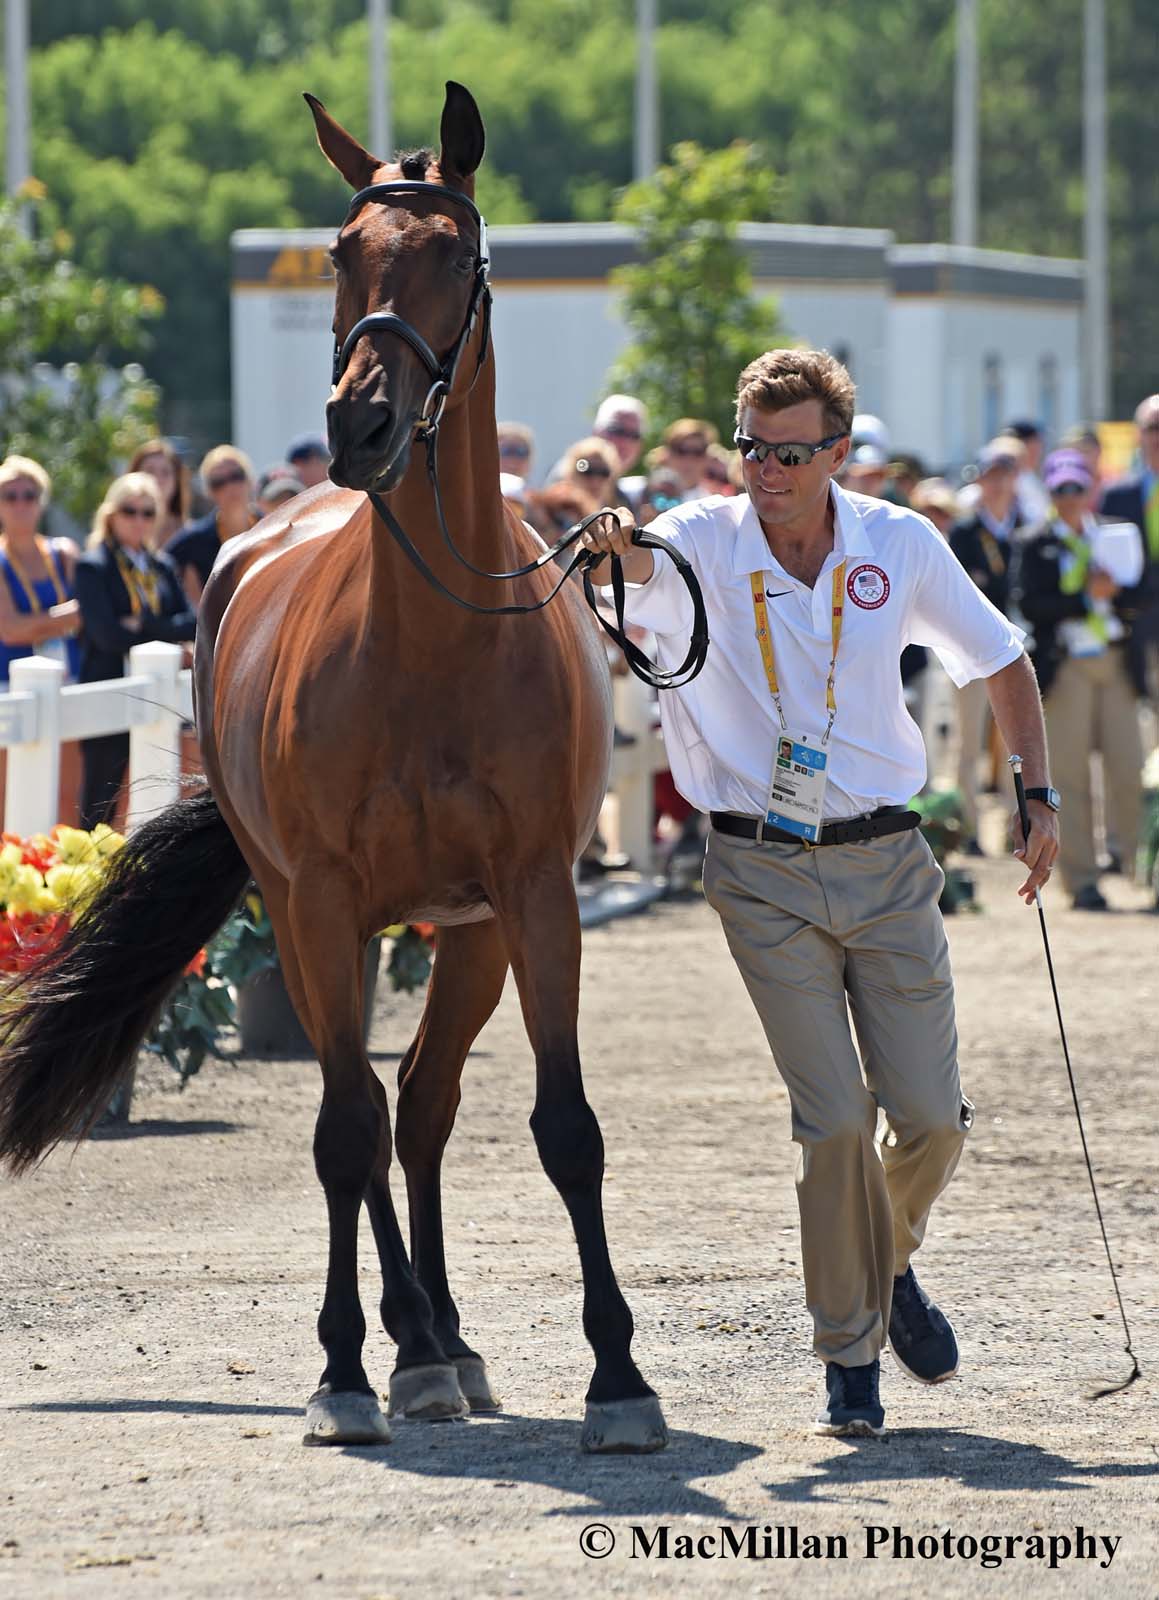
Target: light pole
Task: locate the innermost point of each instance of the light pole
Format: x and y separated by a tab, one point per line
381	144
16	87
647	108
1098	385
965	229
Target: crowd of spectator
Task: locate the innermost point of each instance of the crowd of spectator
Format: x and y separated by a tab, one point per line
1070	555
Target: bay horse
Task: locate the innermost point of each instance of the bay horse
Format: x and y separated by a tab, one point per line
374	756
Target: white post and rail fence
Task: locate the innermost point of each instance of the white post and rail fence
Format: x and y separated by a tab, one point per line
39	712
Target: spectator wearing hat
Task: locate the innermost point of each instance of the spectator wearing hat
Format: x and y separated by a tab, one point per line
1033	499
309	458
865	470
933	499
1136	499
983	542
1082	623
275	486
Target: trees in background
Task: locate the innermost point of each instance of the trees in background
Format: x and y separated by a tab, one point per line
95	409
693	319
161	125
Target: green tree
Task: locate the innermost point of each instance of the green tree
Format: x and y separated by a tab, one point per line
688	302
85	421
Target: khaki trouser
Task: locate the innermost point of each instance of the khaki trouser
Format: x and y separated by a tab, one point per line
811	930
973	705
1091	705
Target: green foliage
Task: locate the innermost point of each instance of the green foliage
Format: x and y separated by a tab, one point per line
53	312
688	303
161	124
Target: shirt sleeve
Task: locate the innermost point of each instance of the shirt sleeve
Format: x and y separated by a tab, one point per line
663	604
970	636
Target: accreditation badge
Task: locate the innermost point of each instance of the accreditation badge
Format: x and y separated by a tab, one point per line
797	792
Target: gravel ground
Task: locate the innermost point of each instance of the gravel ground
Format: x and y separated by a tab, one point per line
161	1288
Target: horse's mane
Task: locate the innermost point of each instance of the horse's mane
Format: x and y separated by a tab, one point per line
414	163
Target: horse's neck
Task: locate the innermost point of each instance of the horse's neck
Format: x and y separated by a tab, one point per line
468	474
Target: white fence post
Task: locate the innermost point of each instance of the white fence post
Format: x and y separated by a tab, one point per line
633	776
155	745
33	791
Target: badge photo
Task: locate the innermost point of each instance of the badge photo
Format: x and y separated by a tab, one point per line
868	587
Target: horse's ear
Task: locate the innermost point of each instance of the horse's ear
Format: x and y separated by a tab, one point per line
461	132
341	149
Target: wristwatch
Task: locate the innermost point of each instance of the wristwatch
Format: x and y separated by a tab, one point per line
1049	797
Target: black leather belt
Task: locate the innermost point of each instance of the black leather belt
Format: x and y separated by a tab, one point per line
856	830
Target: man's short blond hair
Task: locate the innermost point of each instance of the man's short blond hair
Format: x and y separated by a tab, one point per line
1147	411
783	378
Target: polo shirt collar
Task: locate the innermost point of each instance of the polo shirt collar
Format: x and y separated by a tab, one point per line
751	553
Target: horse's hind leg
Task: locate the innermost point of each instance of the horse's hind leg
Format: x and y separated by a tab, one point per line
470	966
540	922
351	1143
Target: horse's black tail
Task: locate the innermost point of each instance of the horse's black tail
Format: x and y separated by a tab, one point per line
72	1025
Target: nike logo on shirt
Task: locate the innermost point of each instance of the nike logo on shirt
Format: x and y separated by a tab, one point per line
776	596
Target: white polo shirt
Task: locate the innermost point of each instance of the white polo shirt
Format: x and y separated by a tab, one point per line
903	585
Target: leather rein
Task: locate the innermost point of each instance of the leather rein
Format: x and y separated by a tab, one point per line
442	375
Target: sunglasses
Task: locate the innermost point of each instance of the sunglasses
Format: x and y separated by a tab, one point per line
225	479
147	512
715	475
1069	489
790	454
26	496
519	450
621	433
591	469
688	449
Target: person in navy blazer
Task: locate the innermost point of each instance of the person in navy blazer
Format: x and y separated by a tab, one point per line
1136	499
127	595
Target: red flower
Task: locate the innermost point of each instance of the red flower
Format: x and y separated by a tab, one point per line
196	967
425	930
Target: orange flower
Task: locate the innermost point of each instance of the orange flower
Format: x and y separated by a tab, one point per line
196	967
425	930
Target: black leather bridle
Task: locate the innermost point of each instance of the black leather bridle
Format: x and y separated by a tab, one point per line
442	374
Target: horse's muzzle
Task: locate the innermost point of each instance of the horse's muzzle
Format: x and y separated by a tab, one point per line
369	445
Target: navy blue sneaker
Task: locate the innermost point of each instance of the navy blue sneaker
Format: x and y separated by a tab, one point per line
920	1337
853	1409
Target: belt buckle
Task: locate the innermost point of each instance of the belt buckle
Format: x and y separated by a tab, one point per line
809	844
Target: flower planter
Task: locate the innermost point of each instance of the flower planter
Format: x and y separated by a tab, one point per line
267	1022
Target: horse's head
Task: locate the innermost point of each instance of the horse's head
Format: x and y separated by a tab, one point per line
411	272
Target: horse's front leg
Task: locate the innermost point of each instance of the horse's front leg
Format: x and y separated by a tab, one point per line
540	922
351	1145
470	966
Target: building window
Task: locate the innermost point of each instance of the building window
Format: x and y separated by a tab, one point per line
1048	395
991	395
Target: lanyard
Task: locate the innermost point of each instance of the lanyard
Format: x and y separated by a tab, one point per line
142	587
28	584
765	640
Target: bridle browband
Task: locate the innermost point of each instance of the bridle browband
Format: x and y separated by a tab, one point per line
442	374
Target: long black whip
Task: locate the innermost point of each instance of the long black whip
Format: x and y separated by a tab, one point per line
1024	818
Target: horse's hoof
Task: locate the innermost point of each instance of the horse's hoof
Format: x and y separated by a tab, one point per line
475	1384
624	1427
427	1394
345	1418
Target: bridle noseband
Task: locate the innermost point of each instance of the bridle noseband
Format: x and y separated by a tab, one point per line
442	373
427	423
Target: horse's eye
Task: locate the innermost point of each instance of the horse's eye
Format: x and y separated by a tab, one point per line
465	264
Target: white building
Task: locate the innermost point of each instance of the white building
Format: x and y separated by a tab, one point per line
945	343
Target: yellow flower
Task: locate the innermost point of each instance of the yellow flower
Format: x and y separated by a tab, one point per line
73	845
27	892
74	884
32	189
107	841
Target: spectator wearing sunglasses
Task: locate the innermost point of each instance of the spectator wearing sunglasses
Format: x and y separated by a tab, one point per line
591	466
228	478
128	594
1082	621
38	612
827	893
685	447
516	450
721	473
622	422
162	461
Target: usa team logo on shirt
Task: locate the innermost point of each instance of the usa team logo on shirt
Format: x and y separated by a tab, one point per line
868	587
